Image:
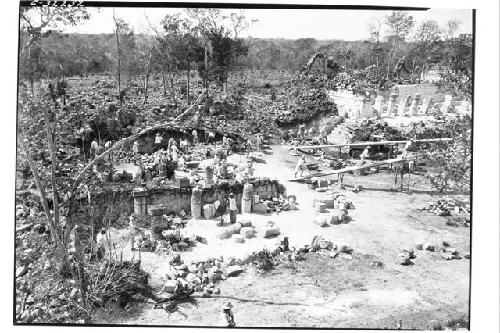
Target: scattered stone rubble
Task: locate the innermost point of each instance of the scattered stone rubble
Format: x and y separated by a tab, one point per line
338	206
444	207
199	276
447	252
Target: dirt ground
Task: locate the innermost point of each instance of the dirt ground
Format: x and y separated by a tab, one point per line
342	292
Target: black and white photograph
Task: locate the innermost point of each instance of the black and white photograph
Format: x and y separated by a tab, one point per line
249	165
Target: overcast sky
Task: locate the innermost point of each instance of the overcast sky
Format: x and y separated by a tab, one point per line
279	23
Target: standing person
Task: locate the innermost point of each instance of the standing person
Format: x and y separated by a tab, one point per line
171	143
101	243
302	131
365	154
233	209
406	148
323	136
107	146
93	148
258	139
300	166
158	141
211	137
195	137
135	148
227	316
183	145
322	156
174	152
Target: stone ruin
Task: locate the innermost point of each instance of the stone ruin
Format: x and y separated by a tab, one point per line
176	198
356	106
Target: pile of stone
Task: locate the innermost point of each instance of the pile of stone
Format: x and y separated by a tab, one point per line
165	236
443	207
262	206
322	245
199	276
445	250
301	105
244	229
338	207
404	257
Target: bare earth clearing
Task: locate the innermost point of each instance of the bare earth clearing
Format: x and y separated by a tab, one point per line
321	291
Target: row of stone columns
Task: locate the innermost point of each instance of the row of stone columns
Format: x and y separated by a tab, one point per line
397	105
141	206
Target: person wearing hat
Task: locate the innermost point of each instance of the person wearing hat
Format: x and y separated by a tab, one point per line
233	209
227	316
365	154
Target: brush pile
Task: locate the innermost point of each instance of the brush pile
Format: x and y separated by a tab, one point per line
115	281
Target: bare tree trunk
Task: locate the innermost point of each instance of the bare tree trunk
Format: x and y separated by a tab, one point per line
32	85
164	84
53	225
172	90
119	56
52	150
206	79
389	61
188	97
146	84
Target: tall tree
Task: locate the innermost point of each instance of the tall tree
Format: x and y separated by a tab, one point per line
458	62
452	27
427	38
125	48
399	24
36	23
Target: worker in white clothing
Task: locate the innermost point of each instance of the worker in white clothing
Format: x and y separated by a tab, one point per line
101	241
227	316
300	167
158	141
233	209
365	154
407	148
195	137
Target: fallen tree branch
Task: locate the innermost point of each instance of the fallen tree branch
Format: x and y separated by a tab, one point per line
129	139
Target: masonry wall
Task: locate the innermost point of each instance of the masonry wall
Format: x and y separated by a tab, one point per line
175	199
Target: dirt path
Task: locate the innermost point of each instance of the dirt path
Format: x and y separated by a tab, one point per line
327	292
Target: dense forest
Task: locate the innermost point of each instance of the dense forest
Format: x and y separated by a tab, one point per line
210	46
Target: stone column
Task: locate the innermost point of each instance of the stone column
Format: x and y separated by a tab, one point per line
196	203
446	104
425	105
377	106
246	198
140	201
393	99
366	108
415	102
402	105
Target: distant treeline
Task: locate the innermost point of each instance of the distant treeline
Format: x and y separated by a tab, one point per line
95	53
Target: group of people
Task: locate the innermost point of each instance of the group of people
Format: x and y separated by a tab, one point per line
96	149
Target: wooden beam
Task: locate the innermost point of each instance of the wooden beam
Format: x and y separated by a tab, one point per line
371	143
356	167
